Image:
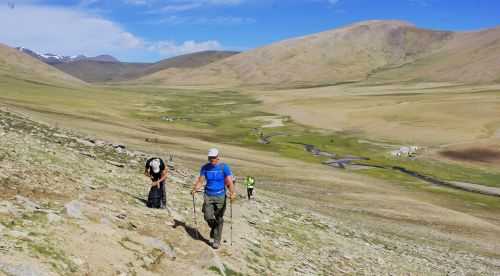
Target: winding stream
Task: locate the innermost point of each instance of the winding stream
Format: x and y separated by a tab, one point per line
342	163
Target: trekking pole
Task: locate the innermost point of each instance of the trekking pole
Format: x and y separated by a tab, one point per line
194	217
231	214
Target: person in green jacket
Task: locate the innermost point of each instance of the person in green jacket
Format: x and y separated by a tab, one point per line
250	183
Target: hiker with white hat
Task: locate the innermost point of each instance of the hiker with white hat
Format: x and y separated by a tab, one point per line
157	172
218	178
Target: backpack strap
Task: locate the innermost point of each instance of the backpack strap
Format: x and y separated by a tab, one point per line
223	166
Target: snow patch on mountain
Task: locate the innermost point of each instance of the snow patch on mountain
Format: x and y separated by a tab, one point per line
55	59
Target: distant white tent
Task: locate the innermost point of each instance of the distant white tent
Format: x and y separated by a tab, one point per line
405	151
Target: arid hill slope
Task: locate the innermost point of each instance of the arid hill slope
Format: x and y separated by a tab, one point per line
388	50
99	71
15	64
470	57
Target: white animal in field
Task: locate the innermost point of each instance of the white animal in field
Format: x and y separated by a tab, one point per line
405	151
396	153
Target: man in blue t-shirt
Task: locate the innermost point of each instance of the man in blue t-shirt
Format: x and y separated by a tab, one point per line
218	178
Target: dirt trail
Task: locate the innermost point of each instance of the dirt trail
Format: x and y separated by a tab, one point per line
70	205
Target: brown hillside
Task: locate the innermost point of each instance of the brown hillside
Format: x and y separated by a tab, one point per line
347	54
471	57
99	71
15	64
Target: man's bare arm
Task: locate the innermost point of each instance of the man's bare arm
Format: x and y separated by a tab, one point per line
164	175
162	178
230	185
197	184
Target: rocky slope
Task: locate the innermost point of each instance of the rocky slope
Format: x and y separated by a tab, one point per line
73	205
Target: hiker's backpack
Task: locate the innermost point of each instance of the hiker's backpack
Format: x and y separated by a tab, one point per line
154	198
250	182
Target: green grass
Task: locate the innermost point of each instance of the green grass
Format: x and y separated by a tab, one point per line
227	271
255	252
233	124
215	269
57	259
221	116
223	113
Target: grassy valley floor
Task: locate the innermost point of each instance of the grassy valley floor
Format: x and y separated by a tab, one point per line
385	210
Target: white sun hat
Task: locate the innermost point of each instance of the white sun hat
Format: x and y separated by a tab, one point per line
155	165
213	152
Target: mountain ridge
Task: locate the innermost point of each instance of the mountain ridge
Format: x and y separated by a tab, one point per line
357	52
52	59
101	71
15	64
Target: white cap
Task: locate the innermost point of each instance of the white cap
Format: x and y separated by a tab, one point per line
213	152
155	165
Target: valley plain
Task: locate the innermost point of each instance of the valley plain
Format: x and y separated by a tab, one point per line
322	154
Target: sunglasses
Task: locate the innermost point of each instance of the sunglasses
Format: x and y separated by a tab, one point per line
213	158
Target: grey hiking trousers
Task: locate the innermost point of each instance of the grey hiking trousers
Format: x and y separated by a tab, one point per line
213	210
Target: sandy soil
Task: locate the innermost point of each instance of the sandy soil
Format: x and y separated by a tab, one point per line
426	114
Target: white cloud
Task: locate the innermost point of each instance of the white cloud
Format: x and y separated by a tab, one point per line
69	32
191	20
223	2
224	20
63	31
178	8
170	48
137	2
327	2
87	3
174	6
18	2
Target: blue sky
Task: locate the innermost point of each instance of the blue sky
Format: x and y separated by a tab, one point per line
150	30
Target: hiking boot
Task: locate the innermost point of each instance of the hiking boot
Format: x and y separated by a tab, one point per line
216	245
